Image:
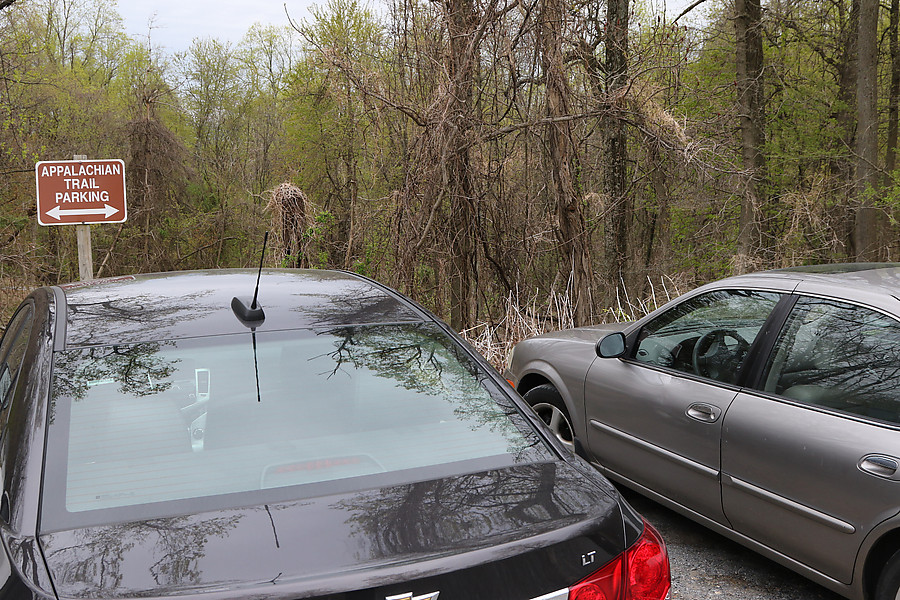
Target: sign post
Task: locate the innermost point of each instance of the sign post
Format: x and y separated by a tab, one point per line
83	240
81	192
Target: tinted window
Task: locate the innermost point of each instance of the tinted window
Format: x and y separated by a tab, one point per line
840	356
12	352
708	335
144	430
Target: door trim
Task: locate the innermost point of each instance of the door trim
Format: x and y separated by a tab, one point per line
676	458
790	505
850	590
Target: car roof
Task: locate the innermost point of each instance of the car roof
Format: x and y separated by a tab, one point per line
176	305
875	284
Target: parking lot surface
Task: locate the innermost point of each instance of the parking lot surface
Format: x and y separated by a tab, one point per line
707	566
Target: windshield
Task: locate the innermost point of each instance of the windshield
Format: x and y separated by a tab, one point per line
147	430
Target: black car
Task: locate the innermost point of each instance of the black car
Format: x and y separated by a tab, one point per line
160	437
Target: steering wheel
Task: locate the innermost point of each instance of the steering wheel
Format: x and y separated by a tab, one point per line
718	354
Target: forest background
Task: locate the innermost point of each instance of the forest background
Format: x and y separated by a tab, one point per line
557	161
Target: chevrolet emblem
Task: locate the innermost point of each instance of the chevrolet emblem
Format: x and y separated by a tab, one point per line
409	596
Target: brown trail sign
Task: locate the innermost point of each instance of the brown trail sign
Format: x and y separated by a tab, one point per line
76	192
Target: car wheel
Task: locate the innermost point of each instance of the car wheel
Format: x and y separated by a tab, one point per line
888	587
549	406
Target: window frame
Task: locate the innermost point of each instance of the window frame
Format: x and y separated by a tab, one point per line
747	372
763	366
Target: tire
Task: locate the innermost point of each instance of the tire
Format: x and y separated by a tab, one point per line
547	403
888	586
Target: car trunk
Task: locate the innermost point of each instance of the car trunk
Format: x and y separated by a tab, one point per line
517	532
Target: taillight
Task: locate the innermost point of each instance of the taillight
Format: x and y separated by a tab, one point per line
600	585
640	573
648	567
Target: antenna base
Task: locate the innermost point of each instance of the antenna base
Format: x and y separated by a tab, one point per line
251	317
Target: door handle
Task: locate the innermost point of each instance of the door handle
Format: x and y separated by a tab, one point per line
880	466
705	413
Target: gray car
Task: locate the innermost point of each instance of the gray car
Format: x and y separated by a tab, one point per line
764	406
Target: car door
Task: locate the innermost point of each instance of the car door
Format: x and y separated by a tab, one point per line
655	417
811	461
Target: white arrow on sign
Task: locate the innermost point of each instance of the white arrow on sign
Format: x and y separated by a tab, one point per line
56	212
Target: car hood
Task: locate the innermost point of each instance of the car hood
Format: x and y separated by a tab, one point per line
591	334
536	521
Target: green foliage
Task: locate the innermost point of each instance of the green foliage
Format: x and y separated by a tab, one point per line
704	238
366	264
342	108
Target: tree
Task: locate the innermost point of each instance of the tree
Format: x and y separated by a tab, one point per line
267	57
751	98
615	149
565	189
157	167
894	93
865	231
334	126
214	103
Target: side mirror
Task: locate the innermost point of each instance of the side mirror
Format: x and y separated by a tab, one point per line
612	345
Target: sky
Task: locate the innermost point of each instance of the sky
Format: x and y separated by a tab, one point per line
175	23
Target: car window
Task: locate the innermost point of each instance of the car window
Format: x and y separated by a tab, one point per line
840	356
708	335
12	352
235	420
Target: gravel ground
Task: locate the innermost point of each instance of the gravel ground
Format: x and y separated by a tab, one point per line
707	566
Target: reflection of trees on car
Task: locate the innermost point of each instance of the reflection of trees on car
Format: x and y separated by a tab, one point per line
420	359
841	356
177	544
132	315
422	516
138	370
355	305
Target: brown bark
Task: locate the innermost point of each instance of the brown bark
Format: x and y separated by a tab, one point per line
894	94
462	23
615	148
847	81
749	66
657	231
564	188
437	208
865	231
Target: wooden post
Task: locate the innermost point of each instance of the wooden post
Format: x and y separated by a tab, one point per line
85	256
83	235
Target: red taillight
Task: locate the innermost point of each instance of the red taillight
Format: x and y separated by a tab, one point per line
648	567
646	573
600	585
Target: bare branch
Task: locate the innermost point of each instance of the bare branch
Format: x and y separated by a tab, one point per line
688	9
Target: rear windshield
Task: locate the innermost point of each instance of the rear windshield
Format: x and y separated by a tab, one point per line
156	429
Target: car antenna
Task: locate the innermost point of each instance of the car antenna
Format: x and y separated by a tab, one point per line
252	316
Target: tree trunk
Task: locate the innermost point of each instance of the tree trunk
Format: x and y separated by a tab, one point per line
615	148
565	190
749	66
462	23
865	231
894	98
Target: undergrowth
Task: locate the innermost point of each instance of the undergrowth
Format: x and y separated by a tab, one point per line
530	316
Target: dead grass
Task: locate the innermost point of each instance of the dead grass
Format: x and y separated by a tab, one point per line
530	316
